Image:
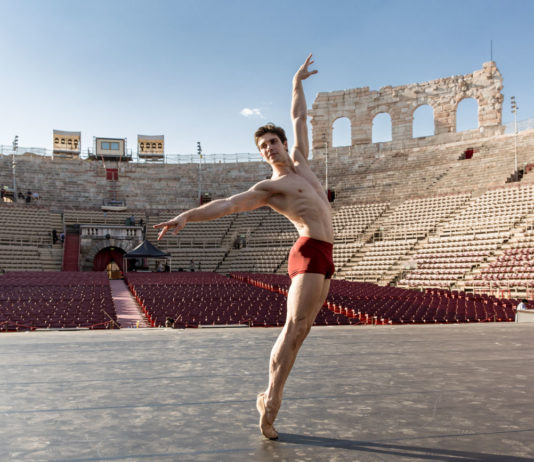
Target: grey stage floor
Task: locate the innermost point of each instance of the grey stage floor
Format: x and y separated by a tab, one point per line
421	393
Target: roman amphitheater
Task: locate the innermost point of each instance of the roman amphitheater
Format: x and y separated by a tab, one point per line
449	213
415	357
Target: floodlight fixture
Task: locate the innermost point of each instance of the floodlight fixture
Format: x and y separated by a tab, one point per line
515	107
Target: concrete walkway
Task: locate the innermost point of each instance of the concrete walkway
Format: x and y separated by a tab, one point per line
128	312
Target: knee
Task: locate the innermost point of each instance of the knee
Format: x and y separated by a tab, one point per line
298	330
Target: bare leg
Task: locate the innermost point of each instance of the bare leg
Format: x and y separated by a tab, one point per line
306	296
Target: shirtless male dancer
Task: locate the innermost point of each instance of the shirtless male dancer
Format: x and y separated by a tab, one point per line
295	192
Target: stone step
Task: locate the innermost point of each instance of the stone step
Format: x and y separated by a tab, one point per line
128	311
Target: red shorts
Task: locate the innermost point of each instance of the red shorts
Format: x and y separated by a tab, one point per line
310	255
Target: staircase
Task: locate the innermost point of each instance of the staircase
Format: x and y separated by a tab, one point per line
128	312
370	234
71	248
51	257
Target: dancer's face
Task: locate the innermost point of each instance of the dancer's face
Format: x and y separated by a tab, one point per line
272	149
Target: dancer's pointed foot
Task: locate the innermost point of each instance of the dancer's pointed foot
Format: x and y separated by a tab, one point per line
266	421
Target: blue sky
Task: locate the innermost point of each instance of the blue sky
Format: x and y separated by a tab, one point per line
190	69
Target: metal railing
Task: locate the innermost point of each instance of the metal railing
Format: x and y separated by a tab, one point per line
192	158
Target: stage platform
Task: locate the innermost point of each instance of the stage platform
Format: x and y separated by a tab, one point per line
385	393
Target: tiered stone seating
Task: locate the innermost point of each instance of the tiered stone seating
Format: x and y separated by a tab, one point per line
95	216
381	174
351	221
389	179
275	230
412	220
64	183
204	259
26	238
415	218
515	268
26	224
441	267
474	234
525	239
489	167
379	257
255	259
20	258
194	235
51	257
343	252
497	210
244	224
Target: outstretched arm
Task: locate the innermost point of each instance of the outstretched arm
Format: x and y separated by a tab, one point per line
249	200
299	111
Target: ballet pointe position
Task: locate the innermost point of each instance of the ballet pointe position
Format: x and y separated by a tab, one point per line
295	192
266	419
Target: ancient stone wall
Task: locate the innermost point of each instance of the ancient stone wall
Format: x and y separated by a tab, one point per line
355	170
361	105
94	238
362	173
64	183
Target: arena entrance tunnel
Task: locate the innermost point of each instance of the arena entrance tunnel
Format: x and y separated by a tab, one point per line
110	259
146	251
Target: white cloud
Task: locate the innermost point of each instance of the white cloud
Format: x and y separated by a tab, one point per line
254	112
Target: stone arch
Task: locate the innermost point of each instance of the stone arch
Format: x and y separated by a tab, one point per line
97	246
107	255
467	110
341	132
382	131
423	121
361	105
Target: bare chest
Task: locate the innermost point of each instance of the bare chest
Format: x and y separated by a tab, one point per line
295	192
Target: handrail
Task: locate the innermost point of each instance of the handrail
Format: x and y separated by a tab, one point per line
175	158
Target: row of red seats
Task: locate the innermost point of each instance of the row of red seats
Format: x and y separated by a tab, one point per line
31	300
196	299
41	278
370	303
515	267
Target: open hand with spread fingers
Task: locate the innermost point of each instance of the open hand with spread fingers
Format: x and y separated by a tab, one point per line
303	73
176	224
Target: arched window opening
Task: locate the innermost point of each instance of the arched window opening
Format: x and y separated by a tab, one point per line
423	121
467	115
106	256
382	128
341	132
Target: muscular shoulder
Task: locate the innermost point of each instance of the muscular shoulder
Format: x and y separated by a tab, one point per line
264	186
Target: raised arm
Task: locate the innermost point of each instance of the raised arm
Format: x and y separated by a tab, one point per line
249	200
299	111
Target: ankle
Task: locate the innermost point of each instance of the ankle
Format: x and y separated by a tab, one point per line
271	402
